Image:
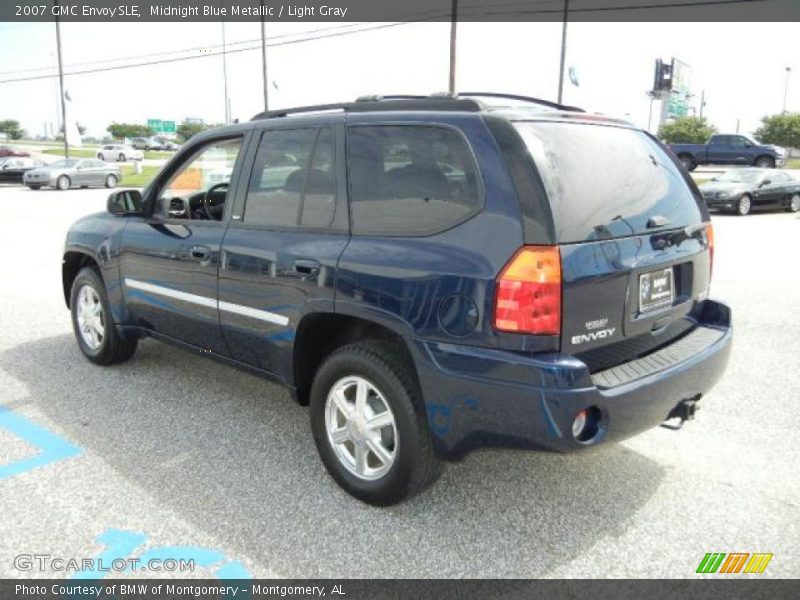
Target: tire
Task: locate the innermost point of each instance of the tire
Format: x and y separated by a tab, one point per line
111	181
793	204
100	156
413	465
744	205
35	187
687	162
765	162
121	157
63	183
95	333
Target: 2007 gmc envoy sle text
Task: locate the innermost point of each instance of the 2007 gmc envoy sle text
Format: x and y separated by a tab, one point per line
429	274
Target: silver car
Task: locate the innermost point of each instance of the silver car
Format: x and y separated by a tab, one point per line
119	152
73	172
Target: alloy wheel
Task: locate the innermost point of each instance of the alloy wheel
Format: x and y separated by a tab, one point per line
91	321
361	427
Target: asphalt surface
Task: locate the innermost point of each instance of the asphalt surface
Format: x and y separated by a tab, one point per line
174	450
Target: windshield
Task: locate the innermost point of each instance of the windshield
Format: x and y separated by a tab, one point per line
64	164
739	177
606	181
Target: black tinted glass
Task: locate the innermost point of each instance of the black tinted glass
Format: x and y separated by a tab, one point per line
605	182
293	183
410	180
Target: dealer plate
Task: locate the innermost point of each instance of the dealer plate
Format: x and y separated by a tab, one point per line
655	290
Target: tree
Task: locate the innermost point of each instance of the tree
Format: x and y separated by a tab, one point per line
781	130
686	130
12	129
187	130
129	130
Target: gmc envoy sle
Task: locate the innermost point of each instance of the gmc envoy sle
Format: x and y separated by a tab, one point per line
429	274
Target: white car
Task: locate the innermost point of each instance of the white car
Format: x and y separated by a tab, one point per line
119	152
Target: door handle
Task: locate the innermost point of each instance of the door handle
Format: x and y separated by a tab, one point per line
306	266
200	252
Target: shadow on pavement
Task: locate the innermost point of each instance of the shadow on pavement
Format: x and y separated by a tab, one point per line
234	456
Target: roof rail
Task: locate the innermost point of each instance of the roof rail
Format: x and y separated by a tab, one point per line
522	99
382	103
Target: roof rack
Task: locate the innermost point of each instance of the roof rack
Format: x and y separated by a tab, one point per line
528	99
381	103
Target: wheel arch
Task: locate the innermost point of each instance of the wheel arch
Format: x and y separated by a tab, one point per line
71	265
319	334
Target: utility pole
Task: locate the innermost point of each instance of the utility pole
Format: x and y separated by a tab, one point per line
702	102
225	75
453	25
264	59
61	84
786	88
563	51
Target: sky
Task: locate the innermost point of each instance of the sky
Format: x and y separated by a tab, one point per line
741	67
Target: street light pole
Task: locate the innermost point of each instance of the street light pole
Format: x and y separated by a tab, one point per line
225	75
786	88
264	59
563	51
61	84
453	26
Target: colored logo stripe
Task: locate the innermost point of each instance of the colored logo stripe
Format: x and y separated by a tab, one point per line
713	562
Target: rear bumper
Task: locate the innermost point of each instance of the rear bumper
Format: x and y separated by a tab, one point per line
478	397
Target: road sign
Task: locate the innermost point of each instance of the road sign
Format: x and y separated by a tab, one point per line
159	126
155	125
168	126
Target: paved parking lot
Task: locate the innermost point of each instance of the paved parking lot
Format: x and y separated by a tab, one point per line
174	453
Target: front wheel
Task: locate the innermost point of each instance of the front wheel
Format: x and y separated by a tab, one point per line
687	162
744	205
793	205
369	424
765	162
97	337
111	181
62	183
121	158
35	187
100	156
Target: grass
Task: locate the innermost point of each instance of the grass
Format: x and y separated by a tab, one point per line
73	152
792	163
130	178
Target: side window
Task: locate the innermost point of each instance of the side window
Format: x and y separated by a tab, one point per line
738	141
199	188
293	183
410	179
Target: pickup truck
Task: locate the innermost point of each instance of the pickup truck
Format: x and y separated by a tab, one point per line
726	149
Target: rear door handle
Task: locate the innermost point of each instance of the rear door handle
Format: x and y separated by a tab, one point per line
306	266
200	252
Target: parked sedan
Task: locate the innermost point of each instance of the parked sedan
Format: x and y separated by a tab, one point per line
119	152
743	190
13	169
73	172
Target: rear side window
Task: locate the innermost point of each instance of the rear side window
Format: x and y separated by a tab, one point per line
410	179
293	184
606	182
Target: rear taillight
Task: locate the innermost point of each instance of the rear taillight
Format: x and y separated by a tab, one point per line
528	292
710	238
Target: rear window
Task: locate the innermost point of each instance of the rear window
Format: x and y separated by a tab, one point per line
606	182
410	179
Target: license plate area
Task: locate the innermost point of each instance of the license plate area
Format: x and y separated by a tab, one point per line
656	290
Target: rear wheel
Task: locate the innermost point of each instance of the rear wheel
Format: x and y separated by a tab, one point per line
63	183
744	205
91	320
687	162
111	181
100	156
765	162
793	205
121	158
369	423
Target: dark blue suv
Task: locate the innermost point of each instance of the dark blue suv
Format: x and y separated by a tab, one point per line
429	274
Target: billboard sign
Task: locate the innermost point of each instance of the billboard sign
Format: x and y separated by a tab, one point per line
680	84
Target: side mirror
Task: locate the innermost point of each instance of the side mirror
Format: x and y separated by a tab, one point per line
765	182
125	202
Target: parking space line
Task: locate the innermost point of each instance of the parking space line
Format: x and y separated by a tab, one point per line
51	447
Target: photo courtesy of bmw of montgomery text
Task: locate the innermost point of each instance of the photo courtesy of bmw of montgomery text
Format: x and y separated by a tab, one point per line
429	274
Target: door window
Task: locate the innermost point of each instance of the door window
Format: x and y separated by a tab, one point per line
410	179
199	188
293	183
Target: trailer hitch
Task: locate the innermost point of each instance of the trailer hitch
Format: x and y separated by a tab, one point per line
684	411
